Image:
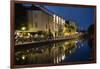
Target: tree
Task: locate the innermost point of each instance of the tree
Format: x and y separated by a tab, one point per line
91	29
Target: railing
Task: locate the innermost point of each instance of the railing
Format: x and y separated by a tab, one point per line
22	40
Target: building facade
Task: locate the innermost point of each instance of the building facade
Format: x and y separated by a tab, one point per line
43	20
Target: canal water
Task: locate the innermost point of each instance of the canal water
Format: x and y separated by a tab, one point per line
55	53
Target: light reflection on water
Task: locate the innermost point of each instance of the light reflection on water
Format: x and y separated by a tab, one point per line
61	52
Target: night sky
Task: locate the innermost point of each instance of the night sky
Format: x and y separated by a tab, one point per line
83	17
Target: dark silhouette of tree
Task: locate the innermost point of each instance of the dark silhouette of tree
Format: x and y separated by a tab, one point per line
91	29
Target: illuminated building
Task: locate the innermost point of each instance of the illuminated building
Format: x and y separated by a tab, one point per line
42	19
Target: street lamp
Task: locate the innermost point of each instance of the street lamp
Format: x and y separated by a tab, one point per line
23	28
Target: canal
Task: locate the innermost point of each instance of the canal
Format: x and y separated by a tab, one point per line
55	53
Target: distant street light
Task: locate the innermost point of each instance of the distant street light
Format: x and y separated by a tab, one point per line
23	28
23	57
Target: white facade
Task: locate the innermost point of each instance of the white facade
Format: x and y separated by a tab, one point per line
39	20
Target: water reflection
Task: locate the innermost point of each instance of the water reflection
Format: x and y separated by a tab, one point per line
68	51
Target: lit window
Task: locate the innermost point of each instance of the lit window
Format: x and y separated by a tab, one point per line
57	19
54	18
